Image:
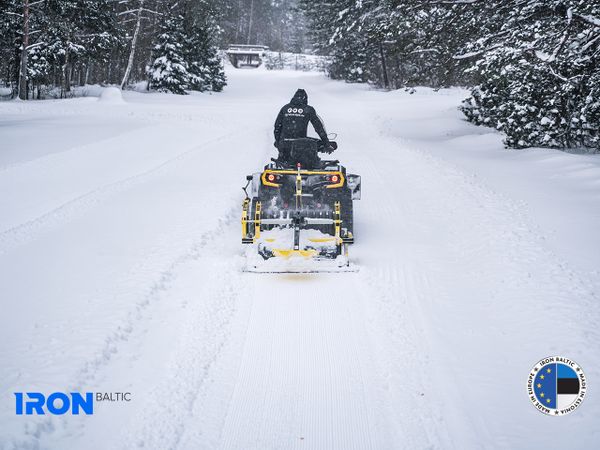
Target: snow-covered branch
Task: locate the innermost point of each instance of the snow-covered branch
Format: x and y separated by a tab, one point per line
477	52
136	10
591	20
424	50
129	11
455	2
37	44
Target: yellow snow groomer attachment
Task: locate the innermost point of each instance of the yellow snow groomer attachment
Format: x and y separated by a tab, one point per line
250	227
298	231
288	253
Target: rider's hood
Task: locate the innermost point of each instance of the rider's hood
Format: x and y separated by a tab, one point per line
300	98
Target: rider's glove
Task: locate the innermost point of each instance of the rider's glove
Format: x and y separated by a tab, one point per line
328	148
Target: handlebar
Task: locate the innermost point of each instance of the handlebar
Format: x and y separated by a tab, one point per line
318	143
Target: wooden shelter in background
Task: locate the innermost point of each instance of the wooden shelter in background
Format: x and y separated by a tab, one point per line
246	55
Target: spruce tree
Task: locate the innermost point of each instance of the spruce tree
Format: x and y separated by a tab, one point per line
205	66
169	69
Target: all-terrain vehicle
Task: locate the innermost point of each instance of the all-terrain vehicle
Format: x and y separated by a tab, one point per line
301	205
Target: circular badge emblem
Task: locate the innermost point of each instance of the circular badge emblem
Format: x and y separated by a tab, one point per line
556	385
300	110
289	110
295	110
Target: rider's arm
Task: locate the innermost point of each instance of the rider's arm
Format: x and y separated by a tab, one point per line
278	125
317	123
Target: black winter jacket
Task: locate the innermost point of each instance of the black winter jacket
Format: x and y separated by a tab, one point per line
292	120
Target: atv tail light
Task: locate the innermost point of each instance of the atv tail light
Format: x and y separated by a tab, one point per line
271	179
335	180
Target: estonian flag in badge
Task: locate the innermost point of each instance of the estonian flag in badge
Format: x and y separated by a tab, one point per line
567	386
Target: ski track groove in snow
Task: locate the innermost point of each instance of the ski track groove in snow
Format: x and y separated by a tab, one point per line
299	375
391	292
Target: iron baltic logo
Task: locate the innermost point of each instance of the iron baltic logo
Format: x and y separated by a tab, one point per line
59	403
556	386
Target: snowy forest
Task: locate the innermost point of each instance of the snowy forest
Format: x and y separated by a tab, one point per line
50	46
531	65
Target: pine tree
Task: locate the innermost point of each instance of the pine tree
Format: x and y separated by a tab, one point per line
335	31
215	74
169	69
205	66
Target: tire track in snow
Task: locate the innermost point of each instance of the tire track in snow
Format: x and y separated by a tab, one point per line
203	338
35	433
213	318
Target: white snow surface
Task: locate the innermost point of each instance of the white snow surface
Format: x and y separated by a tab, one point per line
120	271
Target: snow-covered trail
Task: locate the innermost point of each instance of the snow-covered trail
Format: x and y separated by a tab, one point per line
120	266
303	371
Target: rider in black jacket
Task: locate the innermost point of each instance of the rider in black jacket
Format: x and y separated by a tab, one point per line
292	123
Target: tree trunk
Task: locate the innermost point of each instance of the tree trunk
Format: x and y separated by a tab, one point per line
400	73
88	69
386	81
109	68
67	73
238	29
23	70
136	33
250	22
